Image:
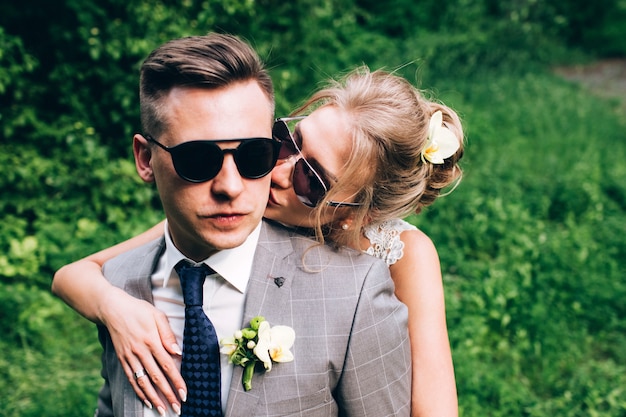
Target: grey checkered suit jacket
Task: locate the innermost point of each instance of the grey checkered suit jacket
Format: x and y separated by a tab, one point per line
351	351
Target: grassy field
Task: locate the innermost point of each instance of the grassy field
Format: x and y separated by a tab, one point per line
533	253
533	249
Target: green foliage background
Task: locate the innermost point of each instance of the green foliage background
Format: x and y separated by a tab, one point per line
532	243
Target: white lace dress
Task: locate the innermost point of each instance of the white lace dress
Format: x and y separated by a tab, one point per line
385	240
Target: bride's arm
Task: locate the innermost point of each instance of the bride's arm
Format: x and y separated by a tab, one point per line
418	281
81	283
140	333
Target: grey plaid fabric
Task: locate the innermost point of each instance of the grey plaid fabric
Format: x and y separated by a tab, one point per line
351	353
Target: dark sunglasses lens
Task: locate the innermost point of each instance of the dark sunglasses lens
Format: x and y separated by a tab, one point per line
256	158
197	161
307	186
282	134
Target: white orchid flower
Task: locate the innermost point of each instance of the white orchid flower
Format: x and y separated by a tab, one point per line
442	143
274	344
229	345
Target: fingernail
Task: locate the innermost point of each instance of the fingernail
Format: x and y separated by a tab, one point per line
161	410
183	395
177	349
176	408
148	404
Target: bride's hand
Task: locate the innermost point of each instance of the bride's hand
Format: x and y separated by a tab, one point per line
144	343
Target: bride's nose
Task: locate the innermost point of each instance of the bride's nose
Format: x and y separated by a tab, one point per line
283	172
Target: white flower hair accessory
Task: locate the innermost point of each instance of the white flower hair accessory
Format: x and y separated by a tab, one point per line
442	143
258	343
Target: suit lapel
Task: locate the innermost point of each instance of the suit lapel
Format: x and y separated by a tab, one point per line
270	281
268	294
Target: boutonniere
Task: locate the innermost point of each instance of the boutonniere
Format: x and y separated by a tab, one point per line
258	343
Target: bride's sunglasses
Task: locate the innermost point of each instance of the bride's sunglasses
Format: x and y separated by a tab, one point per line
201	160
309	185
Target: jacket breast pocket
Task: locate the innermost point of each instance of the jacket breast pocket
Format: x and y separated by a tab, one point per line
320	404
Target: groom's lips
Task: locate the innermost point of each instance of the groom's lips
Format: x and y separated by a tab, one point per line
225	219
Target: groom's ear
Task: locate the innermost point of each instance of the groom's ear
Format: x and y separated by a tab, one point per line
143	158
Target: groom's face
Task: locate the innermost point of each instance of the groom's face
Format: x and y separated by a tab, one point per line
219	213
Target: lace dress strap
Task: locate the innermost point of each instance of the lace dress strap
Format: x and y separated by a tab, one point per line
385	240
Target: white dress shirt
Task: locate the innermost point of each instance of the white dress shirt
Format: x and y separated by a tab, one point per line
223	302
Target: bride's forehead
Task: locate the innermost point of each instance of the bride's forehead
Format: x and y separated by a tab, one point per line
328	124
325	137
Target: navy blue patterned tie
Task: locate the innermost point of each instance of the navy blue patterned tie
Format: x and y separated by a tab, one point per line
201	354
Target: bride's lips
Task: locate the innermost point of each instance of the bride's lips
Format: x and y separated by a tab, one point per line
271	201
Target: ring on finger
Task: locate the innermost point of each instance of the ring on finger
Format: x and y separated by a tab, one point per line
138	374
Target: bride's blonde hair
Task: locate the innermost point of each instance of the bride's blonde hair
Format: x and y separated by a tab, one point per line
389	120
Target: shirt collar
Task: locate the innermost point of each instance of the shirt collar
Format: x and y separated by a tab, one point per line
234	265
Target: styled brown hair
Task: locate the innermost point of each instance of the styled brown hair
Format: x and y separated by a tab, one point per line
211	61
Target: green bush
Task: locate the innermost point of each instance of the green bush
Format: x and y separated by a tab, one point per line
531	242
50	363
532	248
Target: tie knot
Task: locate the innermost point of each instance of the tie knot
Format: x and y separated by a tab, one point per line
191	280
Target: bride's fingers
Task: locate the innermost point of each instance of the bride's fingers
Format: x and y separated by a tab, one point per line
168	378
165	360
135	327
156	380
168	340
172	395
139	379
147	383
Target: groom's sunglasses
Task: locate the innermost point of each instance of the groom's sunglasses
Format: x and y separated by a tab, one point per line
310	187
201	160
